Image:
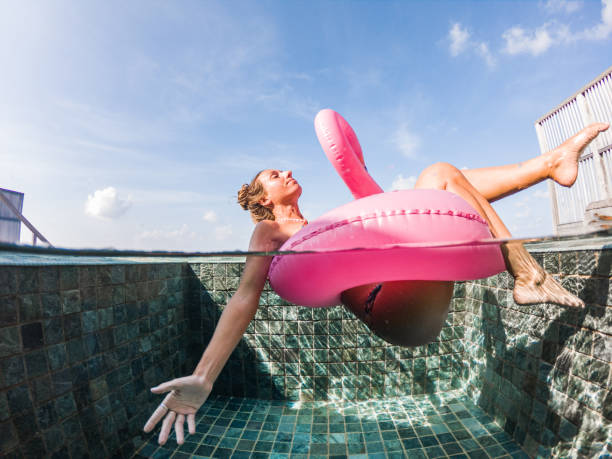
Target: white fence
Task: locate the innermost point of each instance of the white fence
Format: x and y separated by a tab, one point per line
592	103
11	218
10	225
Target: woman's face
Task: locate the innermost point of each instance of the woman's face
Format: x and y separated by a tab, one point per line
280	186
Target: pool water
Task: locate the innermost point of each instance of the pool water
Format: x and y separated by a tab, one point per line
82	339
427	426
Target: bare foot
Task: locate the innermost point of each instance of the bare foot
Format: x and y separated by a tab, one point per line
532	284
564	159
540	287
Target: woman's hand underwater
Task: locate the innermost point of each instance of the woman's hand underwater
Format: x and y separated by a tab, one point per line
185	399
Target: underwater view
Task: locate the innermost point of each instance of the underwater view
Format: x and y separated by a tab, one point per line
84	336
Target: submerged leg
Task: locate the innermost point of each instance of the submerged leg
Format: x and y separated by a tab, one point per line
403	313
412	313
531	283
560	165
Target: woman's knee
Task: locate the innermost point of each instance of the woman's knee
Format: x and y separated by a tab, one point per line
437	176
444	169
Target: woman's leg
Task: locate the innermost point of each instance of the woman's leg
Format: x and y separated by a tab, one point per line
403	313
531	283
412	313
560	165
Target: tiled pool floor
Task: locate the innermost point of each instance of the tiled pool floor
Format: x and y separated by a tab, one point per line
444	425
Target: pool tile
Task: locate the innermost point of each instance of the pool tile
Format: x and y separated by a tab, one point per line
452	448
517	374
375	431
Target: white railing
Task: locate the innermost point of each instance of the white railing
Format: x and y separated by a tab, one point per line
606	157
592	103
10	207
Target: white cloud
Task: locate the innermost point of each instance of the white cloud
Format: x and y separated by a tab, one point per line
403	183
562	6
210	216
458	37
461	42
106	204
406	141
518	40
485	53
602	30
535	42
223	232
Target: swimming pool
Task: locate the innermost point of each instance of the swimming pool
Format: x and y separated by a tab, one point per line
82	340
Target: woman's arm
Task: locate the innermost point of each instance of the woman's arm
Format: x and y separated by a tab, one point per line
187	394
239	311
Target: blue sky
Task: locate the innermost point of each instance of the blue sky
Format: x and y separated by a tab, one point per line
133	124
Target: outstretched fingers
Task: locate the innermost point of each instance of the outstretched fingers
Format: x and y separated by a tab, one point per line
178	428
191	423
166	427
159	413
163	387
183	397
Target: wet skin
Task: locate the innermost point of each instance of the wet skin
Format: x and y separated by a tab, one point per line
403	313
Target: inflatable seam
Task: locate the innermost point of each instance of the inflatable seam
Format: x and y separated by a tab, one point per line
338	154
348	221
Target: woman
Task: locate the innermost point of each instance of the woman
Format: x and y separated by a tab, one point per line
272	198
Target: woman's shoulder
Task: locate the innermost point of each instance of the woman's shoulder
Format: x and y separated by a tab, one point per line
267	236
266	227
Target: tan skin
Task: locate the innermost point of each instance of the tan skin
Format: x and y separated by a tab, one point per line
478	186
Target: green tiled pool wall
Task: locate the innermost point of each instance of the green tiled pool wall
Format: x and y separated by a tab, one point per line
79	348
543	371
296	353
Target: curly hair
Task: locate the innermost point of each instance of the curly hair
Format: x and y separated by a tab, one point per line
249	196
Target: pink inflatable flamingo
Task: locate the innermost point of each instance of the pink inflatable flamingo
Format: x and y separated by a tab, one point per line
400	235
